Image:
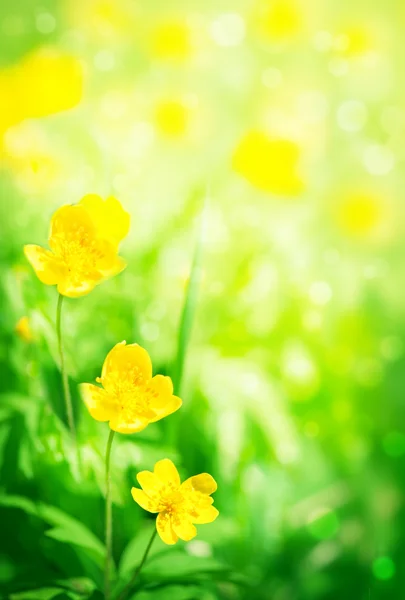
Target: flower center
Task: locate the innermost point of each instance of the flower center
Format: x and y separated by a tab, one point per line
171	499
132	394
79	251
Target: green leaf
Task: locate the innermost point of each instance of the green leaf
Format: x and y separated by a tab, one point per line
67	528
41	594
75	531
179	592
133	553
80	587
189	306
179	564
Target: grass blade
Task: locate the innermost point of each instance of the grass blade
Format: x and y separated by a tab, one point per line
189	305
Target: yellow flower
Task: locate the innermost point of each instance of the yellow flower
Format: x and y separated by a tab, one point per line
43	83
56	81
172	117
180	505
280	19
23	329
356	41
130	398
171	40
84	242
269	164
361	214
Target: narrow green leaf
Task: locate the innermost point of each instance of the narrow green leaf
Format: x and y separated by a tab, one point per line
189	306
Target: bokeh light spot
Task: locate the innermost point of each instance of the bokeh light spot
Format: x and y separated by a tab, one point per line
228	29
272	77
338	67
280	19
323	41
378	160
320	292
383	568
45	22
172	117
360	213
323	523
171	40
352	115
104	60
391	348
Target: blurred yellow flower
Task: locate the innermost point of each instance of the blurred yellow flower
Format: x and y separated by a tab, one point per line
181	506
172	117
23	329
355	41
130	398
268	164
45	82
360	213
279	19
55	82
171	39
84	242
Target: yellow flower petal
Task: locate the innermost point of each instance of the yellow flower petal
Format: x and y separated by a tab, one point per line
106	262
163	402
69	222
111	220
48	268
143	500
173	404
162	387
203	483
183	528
149	482
167	472
117	424
207	515
97	401
113	266
126	363
71	289
165	530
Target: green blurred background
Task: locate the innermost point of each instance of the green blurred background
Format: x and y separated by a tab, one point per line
279	125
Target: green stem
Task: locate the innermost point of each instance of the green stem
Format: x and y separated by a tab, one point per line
139	567
65	381
108	518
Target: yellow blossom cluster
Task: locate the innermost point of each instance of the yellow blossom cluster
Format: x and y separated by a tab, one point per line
84	240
